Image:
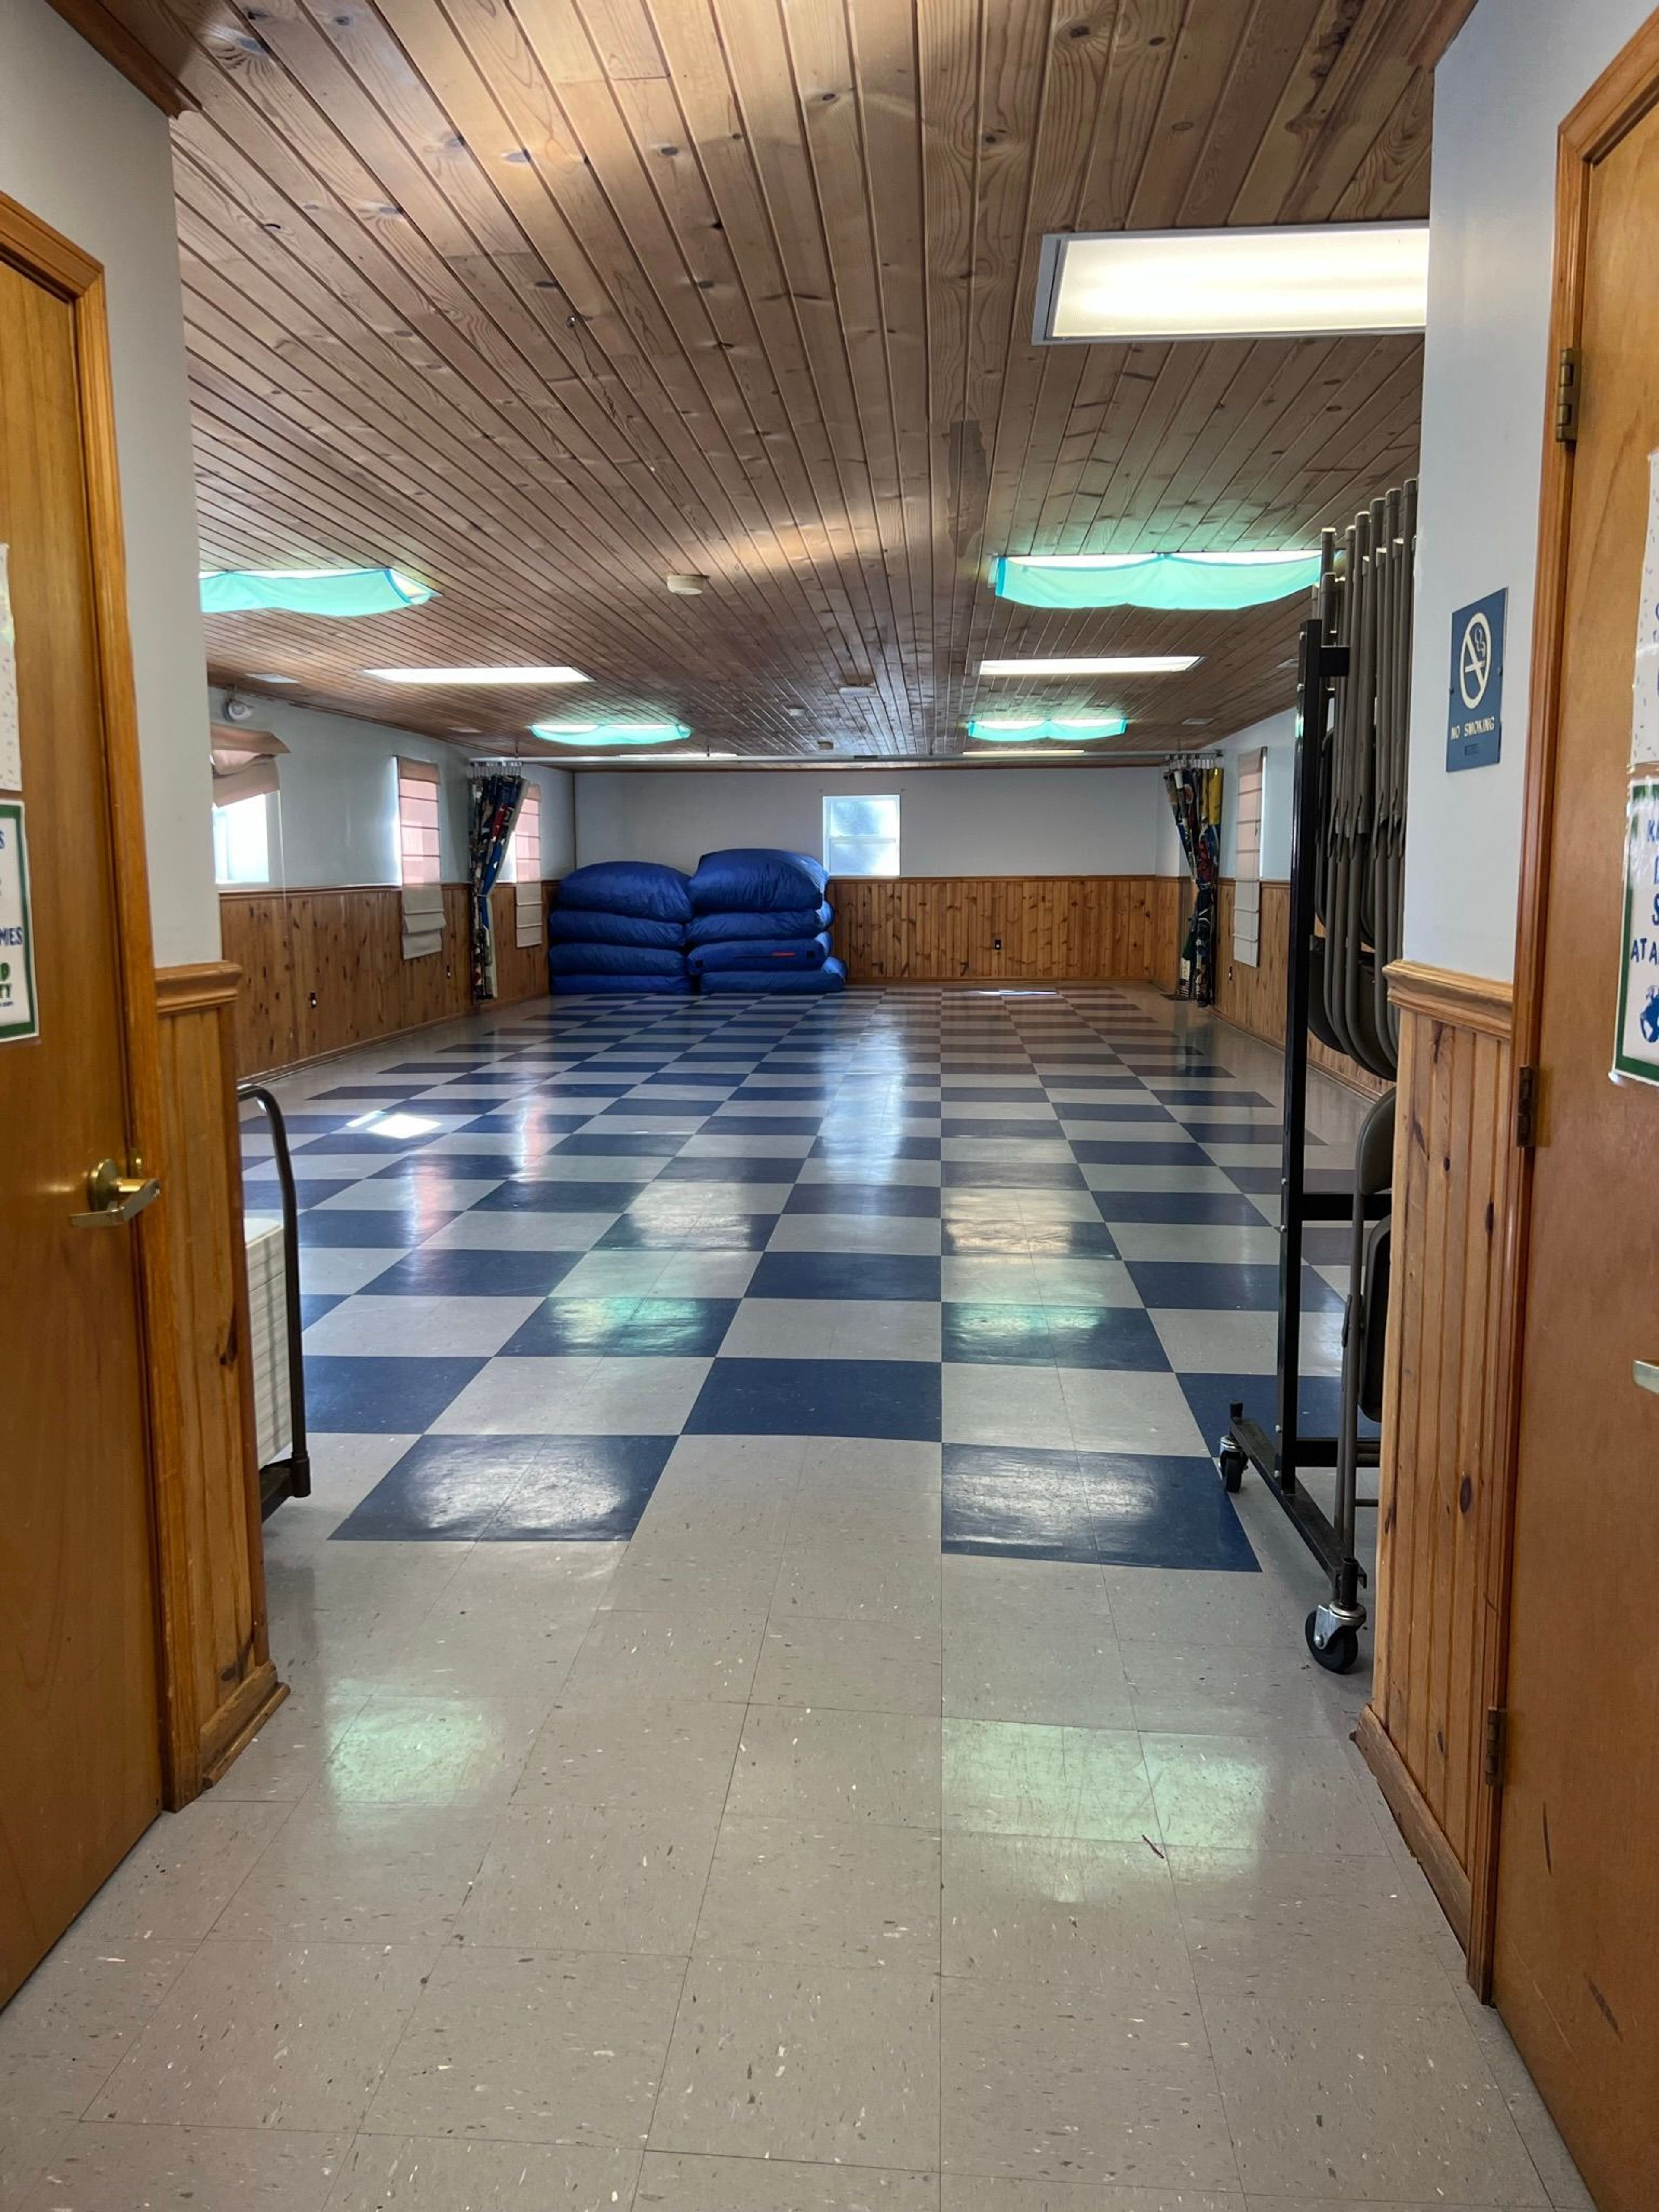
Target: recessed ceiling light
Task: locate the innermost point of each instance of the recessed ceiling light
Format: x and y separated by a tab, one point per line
1105	663
852	684
1284	281
1196	721
553	675
685	583
271	679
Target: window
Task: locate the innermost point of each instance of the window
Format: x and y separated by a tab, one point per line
524	856
1246	867
861	835
242	842
418	848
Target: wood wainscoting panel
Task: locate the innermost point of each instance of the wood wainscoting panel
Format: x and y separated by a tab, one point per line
226	1681
1254	998
1434	1606
324	970
955	929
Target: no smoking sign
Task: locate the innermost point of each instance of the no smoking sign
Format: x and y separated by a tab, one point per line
1474	718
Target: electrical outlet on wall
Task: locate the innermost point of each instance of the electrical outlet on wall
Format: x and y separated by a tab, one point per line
996	945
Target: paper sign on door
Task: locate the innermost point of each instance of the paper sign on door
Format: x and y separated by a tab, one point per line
19	1016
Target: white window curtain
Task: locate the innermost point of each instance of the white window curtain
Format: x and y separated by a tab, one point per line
244	763
1247	868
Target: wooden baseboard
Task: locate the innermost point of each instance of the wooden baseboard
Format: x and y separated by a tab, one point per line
1417	1823
240	1719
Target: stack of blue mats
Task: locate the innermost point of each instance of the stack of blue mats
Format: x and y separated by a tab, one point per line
620	925
760	923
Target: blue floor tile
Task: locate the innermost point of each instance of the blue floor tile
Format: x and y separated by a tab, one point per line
955	1124
845	1275
700	1232
558	1197
917	1201
381	1397
344	1229
313	1306
865	1141
1011	1175
263	1194
1319	1403
620	1144
1194	1285
1110	1509
1052	1336
582	1490
530	1120
1190	1207
1124	1152
624	1328
819	1398
1083	1109
438	1271
443	1490
724	1169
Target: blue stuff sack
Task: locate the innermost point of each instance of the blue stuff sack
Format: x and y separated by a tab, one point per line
757	878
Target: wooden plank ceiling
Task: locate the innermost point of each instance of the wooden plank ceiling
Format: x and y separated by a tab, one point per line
541	299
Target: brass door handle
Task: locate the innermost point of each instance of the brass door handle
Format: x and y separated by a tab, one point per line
114	1198
1645	1373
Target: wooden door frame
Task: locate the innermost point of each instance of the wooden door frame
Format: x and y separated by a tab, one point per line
51	260
1627	91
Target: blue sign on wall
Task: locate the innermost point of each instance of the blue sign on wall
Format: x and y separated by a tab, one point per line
1475	716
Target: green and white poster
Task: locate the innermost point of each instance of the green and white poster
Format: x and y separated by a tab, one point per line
19	1016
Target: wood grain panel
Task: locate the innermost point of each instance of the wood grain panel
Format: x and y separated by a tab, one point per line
1434	1607
1007	928
324	970
545	304
226	1678
1254	998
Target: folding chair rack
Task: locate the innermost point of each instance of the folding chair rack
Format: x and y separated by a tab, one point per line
1279	1454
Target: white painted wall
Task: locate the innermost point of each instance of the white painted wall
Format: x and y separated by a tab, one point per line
1500	95
952	822
1276	739
337	808
83	149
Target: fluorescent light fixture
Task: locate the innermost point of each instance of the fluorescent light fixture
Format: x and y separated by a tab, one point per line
273	680
553	675
1033	729
611	733
1301	280
1185	581
1103	664
337	592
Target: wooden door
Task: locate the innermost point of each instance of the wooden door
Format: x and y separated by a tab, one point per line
1575	1959
80	1721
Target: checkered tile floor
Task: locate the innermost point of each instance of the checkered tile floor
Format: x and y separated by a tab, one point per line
1035	1229
907	1786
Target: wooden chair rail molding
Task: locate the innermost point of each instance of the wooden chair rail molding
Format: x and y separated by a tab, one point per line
1439	1539
979	929
225	1684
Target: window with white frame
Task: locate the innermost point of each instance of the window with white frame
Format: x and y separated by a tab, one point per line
242	842
419	853
524	848
1247	867
524	859
861	834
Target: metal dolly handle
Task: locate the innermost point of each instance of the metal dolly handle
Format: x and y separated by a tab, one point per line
290	1477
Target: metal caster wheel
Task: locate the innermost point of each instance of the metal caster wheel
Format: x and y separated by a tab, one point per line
1340	1650
1233	1464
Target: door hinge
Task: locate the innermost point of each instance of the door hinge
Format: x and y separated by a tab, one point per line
1497	1729
1569	394
1527	1092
